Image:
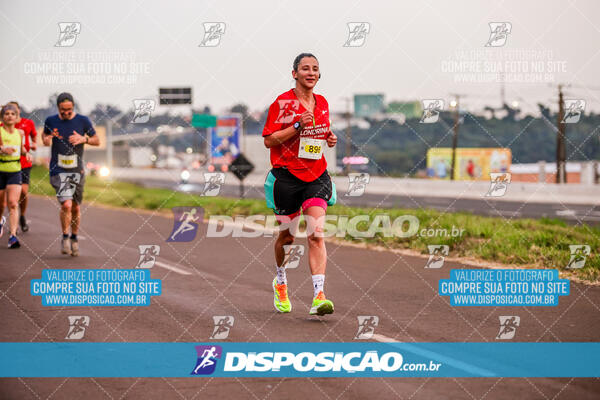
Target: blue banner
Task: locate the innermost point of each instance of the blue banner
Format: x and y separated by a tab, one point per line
504	287
95	287
224	359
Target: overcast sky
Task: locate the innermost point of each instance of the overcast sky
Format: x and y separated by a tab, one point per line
413	50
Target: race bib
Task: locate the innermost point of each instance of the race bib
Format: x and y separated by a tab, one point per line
311	148
16	152
67	161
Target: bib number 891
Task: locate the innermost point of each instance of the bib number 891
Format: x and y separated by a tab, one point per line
312	149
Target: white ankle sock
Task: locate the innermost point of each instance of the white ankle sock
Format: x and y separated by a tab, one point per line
318	282
281	278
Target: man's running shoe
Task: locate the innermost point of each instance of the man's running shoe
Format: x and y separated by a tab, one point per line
74	248
13	242
281	300
2	222
23	223
321	306
66	246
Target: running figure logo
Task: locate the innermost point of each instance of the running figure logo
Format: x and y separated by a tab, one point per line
207	359
68	183
579	253
499	32
77	325
288	109
148	253
508	327
499	183
212	183
366	326
223	324
212	34
431	111
185	224
357	183
293	253
573	111
357	35
436	255
68	33
143	108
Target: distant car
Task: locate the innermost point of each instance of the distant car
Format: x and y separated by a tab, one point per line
169	162
92	168
185	176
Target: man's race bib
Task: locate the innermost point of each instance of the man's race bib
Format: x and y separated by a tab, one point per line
67	161
311	148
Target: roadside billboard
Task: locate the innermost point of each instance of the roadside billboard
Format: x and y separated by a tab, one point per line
471	163
225	140
367	105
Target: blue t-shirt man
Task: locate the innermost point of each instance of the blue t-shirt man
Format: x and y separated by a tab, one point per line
65	156
67	133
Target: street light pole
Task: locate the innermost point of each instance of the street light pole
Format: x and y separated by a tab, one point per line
561	173
455	137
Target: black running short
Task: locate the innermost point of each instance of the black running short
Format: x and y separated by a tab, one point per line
25	175
9	178
286	194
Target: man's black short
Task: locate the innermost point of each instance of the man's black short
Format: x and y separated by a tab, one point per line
25	175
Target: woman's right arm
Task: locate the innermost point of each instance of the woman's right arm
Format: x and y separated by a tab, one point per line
278	137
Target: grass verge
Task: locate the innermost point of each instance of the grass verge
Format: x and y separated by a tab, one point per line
540	243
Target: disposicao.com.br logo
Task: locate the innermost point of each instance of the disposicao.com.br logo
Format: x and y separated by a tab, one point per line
357	226
307	362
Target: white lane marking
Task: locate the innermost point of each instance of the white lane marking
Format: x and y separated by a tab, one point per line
473	369
508	213
384	339
564	213
172	268
572	214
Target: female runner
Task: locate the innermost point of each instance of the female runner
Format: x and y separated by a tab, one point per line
296	132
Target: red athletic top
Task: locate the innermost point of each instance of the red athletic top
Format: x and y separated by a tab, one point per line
28	127
284	112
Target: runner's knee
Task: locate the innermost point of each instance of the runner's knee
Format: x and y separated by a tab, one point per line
285	239
12	204
66	205
316	240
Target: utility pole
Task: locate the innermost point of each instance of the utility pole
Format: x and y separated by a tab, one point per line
561	173
502	95
348	115
109	143
455	137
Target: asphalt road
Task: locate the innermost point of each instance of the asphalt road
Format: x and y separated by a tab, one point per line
227	276
574	214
